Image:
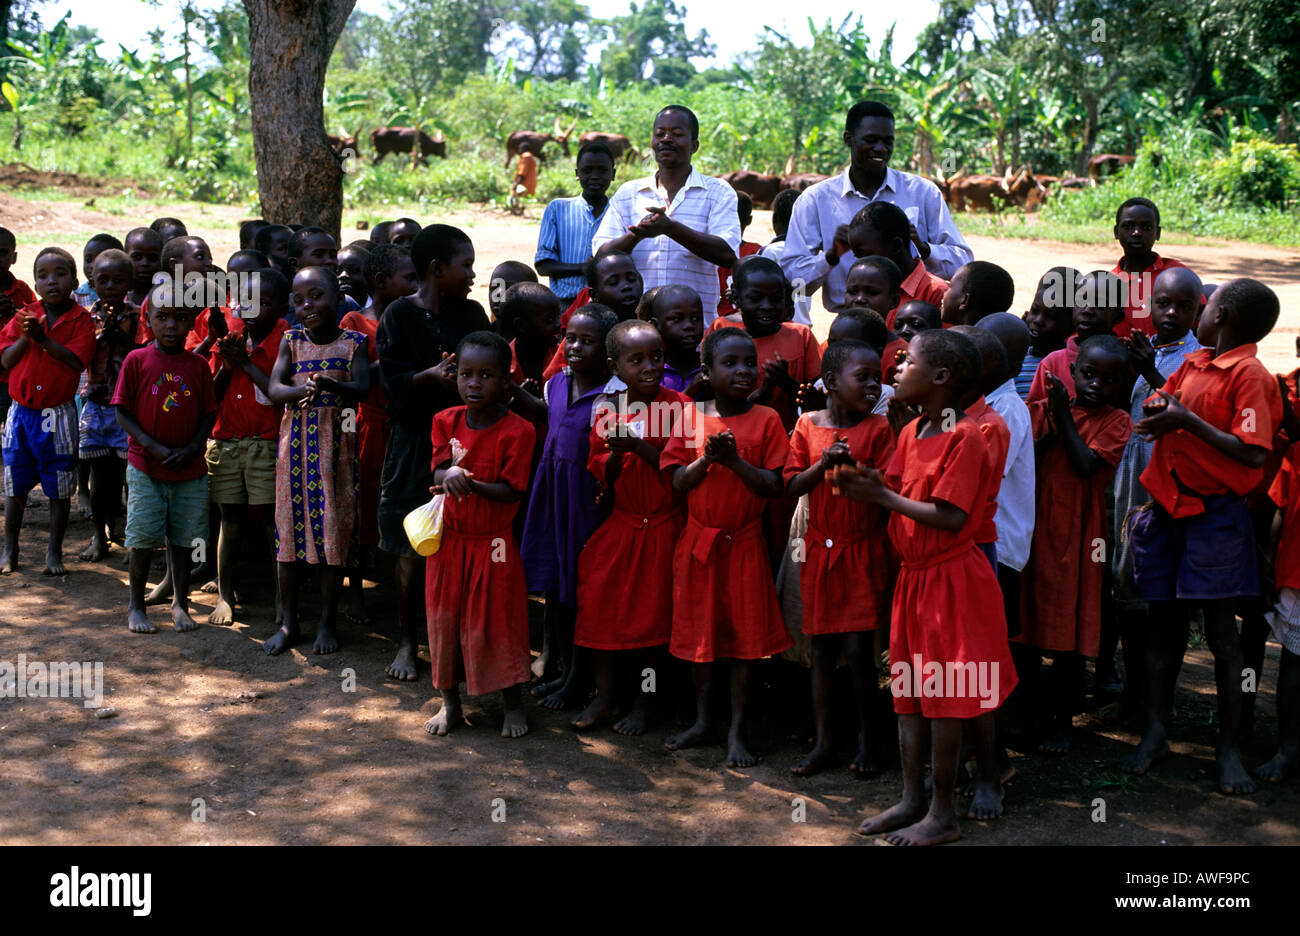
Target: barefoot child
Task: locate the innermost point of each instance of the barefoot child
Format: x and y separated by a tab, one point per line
1193	545
728	461
241	454
43	350
1050	320
1137	228
417	336
632	428
102	440
320	370
678	314
947	611
165	403
475	593
1078	443
562	508
847	570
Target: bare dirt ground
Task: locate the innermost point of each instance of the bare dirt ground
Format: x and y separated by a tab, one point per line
279	753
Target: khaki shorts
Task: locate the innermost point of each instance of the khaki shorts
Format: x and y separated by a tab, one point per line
241	471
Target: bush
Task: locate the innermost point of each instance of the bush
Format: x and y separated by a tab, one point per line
1255	173
393	182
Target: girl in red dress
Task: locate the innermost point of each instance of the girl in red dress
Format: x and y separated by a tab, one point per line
727	459
475	594
847	570
948	649
641	532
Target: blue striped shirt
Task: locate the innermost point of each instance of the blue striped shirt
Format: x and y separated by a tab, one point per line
1025	379
565	237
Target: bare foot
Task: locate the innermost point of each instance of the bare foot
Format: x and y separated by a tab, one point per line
1139	760
634	723
53	564
560	700
182	621
405	665
1233	776
326	640
929	831
222	613
515	725
598	711
281	640
96	551
542	690
1057	741
987	803
692	736
355	610
897	816
738	755
161	594
139	623
210	588
972	785
864	765
818	759
1280	767
446	719
8	562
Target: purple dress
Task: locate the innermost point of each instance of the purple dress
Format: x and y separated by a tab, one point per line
562	511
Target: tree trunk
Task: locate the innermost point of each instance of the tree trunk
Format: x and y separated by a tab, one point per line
1089	133
299	180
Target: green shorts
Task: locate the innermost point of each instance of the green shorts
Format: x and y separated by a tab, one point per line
241	471
176	511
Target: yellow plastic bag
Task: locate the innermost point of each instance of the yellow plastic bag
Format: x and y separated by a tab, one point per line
423	527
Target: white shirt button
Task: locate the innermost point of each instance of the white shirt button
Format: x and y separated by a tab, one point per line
829	544
239	396
39	387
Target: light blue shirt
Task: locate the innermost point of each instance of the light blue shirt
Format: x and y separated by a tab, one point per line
565	237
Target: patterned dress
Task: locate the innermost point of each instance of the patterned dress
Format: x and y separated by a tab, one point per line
316	466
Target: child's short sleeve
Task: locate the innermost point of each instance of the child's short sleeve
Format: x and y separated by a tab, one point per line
11	332
799	458
1038	419
517	452
962	474
1257	403
776	444
880	453
598	456
440	436
1110	436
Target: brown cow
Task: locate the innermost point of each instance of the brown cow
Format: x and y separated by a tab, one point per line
343	147
761	188
535	141
385	140
975	192
801	180
617	143
1110	162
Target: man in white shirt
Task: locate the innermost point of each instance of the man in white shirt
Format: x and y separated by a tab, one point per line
818	235
678	224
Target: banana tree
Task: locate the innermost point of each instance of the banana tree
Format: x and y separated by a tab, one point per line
1002	95
932	99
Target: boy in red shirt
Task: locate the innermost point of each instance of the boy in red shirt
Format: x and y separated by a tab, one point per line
1098	308
881	229
44	349
241	453
165	403
1193	544
977	289
1137	228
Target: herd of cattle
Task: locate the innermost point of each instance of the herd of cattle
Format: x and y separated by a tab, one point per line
1024	189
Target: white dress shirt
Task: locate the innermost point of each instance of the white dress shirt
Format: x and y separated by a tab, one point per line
703	204
825	206
1016	504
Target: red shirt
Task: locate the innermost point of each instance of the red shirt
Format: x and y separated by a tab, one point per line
794	343
1058	363
199	332
747	248
1234	393
919	284
244	412
1285	492
998	437
38	379
168	394
19	293
1136	313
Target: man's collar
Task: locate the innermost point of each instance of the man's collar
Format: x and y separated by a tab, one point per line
890	182
651	182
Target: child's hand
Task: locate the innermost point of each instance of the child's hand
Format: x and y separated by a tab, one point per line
179	457
604	496
777	372
809	398
98	393
1140	351
620	442
698	383
724	448
456	482
232	351
1163	415
837	453
217	327
533	386
308	392
32	328
899	415
158	452
445	370
858	483
1058	398
840	245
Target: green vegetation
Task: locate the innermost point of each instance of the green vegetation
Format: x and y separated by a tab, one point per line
1209	104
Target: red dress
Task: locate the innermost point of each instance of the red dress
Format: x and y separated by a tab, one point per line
628	562
847	568
372	435
791	342
1062	584
724	600
947	606
474	584
999	439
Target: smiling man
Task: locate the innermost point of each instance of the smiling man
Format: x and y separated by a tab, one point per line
678	224
818	237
